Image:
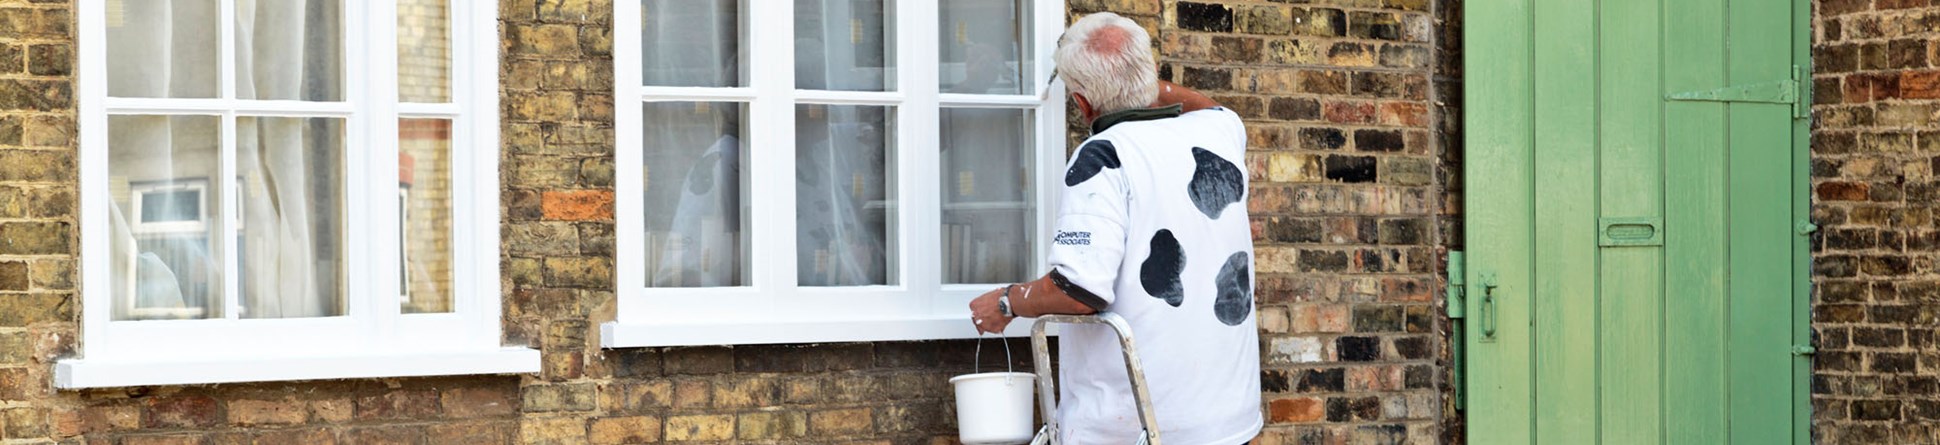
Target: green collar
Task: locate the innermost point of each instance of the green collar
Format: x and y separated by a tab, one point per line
1134	114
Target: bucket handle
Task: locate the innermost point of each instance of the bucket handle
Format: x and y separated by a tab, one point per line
976	363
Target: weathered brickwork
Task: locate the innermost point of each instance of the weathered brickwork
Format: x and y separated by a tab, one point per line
1346	198
1875	148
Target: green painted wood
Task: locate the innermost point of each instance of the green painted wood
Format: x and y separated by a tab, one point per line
1683	341
1630	185
1801	213
1759	337
1695	231
1566	201
1499	36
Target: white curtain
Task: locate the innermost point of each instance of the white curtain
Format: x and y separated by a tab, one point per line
165	48
693	153
273	155
844	162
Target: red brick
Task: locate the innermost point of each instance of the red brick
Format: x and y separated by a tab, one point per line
401	404
168	439
1297	410
1407	114
470	433
1843	191
267	412
579	205
1348	112
303	436
1920	85
181	412
470	402
386	435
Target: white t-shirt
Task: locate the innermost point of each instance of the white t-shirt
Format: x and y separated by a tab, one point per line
1153	224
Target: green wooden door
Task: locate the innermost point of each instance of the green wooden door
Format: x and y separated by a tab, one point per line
1634	255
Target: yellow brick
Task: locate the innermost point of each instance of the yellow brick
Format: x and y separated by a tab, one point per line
700	428
624	430
841	422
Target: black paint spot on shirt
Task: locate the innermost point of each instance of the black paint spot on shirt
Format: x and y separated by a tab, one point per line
1235	284
1093	157
1160	272
1215	184
702	179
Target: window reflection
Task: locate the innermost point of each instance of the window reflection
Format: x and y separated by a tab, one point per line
845	196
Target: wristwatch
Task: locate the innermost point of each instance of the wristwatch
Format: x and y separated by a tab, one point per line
1003	303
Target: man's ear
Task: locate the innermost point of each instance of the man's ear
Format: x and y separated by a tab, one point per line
1084	108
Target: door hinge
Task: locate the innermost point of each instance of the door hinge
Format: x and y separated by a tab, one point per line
1803	350
1806	227
1456	269
1794	92
1456	294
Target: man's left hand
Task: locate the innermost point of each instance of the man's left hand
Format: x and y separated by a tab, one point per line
983	312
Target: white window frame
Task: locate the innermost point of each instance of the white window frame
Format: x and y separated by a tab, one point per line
771	309
138	197
373	338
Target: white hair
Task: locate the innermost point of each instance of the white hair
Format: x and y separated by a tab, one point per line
1108	59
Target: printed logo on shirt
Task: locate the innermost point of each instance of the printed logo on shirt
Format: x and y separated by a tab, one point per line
1072	238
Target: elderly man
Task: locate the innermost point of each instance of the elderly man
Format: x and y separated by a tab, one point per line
1153	227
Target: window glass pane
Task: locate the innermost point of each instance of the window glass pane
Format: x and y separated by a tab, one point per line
845	196
166	262
690	43
172	203
424	203
843	45
424	51
291	243
983	46
697	196
163	48
989	210
289	50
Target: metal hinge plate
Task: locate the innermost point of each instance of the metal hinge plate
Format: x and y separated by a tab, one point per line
1792	92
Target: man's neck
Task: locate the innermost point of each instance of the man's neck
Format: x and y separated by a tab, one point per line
1107	120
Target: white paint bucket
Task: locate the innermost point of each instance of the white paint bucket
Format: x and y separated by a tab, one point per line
994	407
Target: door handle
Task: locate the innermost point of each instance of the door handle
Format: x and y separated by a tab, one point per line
1487	310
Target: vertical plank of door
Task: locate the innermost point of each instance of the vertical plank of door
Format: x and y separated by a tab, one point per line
1694	233
1760	180
1566	254
1499	149
1631	185
1801	245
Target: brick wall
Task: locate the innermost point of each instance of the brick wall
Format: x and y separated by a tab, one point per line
1337	95
558	250
1875	147
38	303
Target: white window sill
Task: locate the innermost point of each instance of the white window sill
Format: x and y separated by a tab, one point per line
640	334
82	373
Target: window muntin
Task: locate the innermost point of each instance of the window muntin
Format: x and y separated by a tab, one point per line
846	169
285	119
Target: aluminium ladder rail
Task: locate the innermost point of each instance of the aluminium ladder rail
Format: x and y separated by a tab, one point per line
1046	387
